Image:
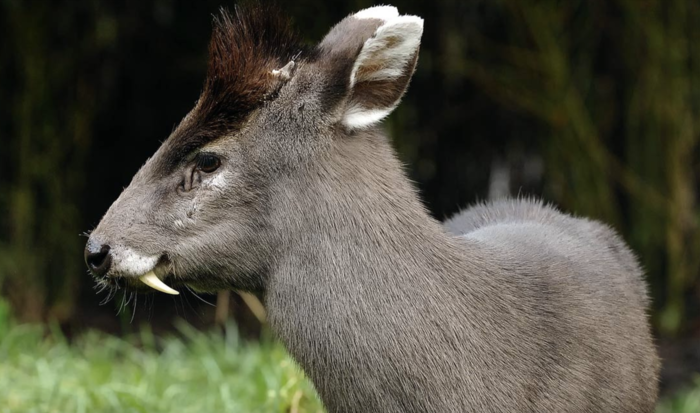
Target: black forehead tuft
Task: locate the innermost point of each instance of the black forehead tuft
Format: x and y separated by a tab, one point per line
245	47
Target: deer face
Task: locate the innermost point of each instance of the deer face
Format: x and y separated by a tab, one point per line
198	212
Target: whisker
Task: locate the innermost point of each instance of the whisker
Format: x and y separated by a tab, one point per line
198	296
198	313
186	300
128	300
177	312
113	293
150	298
133	310
109	290
182	304
108	298
121	306
99	287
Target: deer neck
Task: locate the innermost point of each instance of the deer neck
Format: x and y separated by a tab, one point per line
361	242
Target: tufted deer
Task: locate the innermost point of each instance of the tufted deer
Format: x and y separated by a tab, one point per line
280	182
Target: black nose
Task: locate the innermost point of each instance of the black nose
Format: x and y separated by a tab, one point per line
98	262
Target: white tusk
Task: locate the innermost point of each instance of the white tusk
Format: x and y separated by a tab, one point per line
152	280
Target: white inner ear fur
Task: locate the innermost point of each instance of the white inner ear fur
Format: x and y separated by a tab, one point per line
390	49
388	53
378	12
358	117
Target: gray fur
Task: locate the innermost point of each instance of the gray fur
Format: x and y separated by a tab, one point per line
508	307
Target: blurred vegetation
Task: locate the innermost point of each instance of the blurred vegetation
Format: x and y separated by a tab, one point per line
617	86
591	104
48	107
189	372
687	401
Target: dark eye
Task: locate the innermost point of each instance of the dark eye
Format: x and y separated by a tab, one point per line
207	162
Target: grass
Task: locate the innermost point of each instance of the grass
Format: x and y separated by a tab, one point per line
686	401
192	372
195	372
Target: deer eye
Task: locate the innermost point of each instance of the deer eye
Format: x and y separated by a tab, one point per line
207	162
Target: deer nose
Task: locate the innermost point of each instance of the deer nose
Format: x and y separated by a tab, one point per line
98	260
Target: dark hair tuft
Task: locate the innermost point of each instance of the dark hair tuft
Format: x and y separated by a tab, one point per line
245	47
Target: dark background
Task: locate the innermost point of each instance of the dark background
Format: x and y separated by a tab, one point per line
592	105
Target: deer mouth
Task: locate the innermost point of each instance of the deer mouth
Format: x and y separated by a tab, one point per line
150	272
153	281
154	277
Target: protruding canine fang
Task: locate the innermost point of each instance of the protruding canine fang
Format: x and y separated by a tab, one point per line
152	280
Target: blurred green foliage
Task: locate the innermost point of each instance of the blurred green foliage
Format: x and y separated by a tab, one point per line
192	371
686	401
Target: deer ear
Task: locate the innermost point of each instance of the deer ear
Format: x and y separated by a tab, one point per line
382	70
382	49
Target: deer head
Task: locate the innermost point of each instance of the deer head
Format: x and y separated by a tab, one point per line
210	209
